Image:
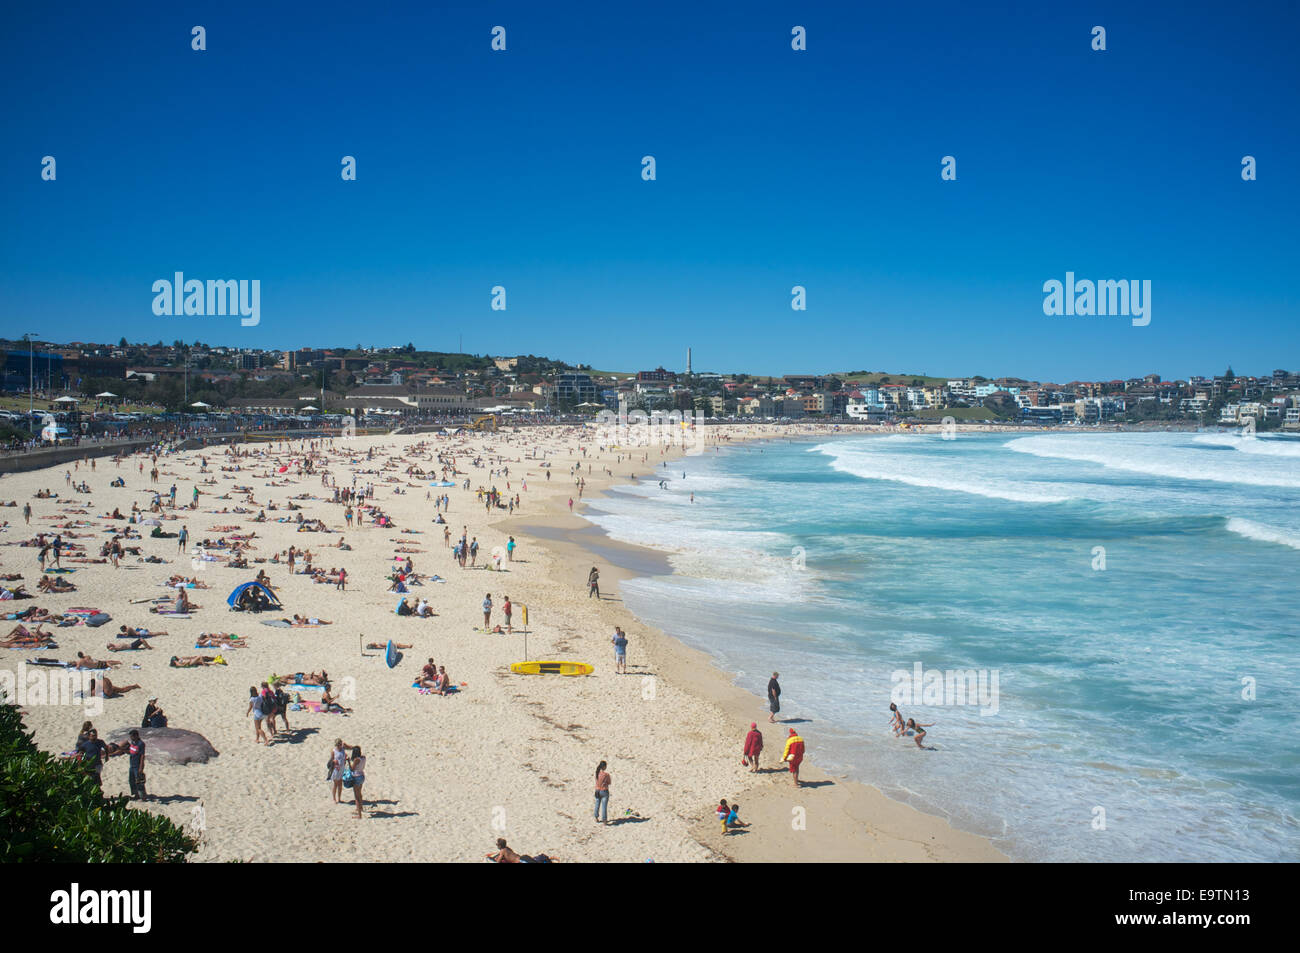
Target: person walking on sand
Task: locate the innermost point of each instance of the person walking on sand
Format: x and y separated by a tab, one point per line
773	697
793	755
182	539
337	760
593	583
507	608
602	794
255	709
358	768
620	650
487	612
268	709
753	747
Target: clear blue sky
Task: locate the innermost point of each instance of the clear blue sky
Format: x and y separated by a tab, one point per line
775	168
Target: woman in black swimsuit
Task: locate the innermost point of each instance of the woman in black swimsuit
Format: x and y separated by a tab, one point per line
919	731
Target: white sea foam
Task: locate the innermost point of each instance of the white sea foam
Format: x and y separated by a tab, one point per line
1268	534
1140	454
1262	446
869	464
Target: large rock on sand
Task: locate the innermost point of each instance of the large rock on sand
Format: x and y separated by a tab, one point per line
170	745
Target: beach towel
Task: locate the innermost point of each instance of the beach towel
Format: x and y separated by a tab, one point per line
278	623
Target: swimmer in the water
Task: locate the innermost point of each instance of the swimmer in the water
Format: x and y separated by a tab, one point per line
919	731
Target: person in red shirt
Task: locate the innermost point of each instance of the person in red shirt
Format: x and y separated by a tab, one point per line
753	747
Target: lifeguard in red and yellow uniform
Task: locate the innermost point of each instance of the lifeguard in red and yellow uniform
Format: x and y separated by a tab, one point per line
793	754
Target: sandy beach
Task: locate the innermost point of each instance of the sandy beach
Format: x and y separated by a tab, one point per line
508	755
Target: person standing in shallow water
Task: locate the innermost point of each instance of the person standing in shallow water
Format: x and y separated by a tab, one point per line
773	697
895	719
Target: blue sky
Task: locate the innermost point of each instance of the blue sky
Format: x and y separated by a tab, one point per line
775	168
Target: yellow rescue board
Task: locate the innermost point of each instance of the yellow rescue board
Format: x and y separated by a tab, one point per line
551	668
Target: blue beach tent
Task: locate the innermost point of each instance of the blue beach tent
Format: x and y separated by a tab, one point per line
233	601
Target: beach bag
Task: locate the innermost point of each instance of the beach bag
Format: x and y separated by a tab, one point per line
347	776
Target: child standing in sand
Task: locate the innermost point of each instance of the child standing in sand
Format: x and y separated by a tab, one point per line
487	611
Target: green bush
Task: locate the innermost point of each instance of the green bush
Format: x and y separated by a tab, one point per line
52	812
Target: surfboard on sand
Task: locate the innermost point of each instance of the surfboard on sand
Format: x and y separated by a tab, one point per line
391	654
552	668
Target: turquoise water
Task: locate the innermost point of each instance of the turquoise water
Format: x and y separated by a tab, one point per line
1135	596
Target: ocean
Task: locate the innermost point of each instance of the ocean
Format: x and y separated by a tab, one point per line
1122	609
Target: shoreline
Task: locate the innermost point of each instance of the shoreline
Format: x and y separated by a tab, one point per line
867	824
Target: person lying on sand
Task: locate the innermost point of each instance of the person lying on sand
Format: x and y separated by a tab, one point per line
132	632
195	661
503	854
304	620
384	645
85	661
128	646
48	584
22	637
314	678
220	640
106	688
